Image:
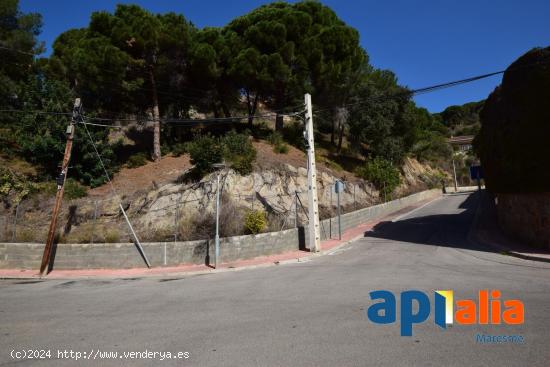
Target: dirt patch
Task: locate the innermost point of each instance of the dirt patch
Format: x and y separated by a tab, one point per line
267	158
129	180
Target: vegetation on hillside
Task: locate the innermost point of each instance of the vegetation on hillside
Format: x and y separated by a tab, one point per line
157	69
462	120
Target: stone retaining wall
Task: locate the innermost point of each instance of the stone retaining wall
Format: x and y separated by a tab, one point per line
126	255
526	216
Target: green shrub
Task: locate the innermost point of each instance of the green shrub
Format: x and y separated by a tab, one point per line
294	135
381	173
275	138
137	160
48	188
14	186
204	150
434	180
255	221
279	145
74	189
281	149
236	149
333	165
239	151
179	149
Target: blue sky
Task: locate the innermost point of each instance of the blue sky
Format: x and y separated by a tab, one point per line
424	42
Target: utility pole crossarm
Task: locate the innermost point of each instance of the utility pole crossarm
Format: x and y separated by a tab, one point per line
60	187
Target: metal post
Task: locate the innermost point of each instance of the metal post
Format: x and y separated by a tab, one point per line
217	238
14	235
314	235
136	239
339	217
296	209
94	223
176	223
454	174
385	199
330	216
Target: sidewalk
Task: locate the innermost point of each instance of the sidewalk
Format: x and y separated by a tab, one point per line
327	247
486	231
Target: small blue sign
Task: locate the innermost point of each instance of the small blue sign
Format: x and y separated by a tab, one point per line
339	187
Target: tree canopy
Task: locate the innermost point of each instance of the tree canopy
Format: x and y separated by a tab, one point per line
133	65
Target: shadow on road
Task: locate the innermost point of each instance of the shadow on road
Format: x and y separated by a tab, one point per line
446	230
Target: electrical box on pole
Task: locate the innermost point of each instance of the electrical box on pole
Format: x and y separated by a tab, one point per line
313	204
61	178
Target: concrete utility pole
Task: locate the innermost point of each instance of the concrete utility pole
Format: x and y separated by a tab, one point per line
60	187
219	166
339	187
217	222
314	235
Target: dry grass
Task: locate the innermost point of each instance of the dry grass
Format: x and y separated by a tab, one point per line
203	225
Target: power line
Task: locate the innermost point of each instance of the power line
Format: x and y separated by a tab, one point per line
437	87
39	112
191	122
173	121
113	190
424	90
102	125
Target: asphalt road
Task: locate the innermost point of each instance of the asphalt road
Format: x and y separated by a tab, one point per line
303	314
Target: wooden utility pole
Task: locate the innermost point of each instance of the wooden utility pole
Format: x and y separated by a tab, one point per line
60	188
313	227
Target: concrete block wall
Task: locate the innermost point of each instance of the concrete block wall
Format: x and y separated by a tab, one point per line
126	255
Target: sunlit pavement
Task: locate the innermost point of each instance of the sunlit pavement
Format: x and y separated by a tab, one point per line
310	313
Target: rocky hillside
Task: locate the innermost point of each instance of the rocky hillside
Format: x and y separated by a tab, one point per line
162	208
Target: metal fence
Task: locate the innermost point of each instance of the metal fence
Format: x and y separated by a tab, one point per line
102	221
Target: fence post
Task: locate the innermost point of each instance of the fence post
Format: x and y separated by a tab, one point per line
295	209
176	222
354	201
3	228
330	215
339	213
94	222
13	238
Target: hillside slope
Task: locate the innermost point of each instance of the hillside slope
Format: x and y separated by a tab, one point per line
161	207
